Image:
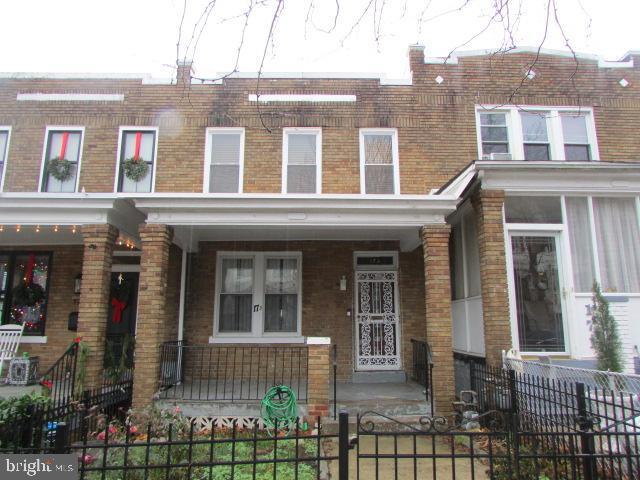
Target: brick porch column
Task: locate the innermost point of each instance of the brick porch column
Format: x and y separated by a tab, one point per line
318	377
493	273
435	246
152	310
94	297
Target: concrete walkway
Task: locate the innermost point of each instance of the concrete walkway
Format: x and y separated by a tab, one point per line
407	468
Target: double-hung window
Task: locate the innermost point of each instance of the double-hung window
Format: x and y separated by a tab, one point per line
24	289
136	159
61	159
379	161
302	160
224	160
536	133
258	296
4	150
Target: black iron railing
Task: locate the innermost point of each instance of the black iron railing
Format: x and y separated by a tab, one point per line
422	372
220	372
60	378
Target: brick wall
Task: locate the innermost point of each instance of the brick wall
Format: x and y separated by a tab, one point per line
324	306
435	122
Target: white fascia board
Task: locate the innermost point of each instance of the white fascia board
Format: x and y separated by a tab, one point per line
460	183
560	177
284	210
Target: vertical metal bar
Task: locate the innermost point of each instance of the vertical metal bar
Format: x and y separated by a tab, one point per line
335	380
343	446
61	439
586	437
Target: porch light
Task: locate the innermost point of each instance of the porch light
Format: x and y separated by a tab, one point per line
77	283
343	283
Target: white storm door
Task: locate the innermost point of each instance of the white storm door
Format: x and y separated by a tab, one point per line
377	321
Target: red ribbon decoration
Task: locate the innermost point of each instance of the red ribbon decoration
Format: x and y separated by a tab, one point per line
118	307
28	273
136	155
63	147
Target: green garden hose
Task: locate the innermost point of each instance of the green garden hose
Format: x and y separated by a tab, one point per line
279	408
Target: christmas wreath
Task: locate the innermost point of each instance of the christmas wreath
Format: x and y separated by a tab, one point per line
27	294
59	168
135	169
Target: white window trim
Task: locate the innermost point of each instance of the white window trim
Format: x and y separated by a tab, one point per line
62	128
121	131
285	155
554	128
257	333
207	155
6	154
394	153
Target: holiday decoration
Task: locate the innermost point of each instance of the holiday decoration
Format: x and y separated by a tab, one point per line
27	293
118	307
59	167
135	168
120	293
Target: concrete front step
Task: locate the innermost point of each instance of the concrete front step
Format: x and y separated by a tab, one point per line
388	408
382	376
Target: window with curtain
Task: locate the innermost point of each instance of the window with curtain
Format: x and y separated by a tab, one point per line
302	162
281	295
617	237
24	289
535	136
224	171
379	174
236	295
4	141
576	138
138	146
580	240
61	160
494	133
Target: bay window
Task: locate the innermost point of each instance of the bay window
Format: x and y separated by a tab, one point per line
61	160
301	160
136	159
258	296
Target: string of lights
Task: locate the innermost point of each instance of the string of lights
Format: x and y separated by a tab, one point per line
122	240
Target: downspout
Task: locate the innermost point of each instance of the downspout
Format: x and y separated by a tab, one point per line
183	293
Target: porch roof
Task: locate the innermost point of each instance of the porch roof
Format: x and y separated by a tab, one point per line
548	177
198	217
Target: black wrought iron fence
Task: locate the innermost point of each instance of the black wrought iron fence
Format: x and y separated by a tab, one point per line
60	378
219	372
422	372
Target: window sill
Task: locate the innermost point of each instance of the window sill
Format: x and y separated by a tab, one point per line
34	339
226	340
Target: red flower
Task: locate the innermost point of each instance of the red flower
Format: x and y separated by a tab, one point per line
133	429
88	459
102	435
77	340
112	429
47	384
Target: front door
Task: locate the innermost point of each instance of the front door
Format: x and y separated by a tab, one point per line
536	283
377	321
121	322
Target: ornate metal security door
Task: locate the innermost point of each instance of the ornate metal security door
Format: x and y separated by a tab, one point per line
377	321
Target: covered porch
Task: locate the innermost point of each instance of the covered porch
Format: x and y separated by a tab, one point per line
264	276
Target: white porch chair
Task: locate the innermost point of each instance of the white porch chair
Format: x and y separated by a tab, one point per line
10	336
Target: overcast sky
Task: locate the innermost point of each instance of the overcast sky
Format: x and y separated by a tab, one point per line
140	35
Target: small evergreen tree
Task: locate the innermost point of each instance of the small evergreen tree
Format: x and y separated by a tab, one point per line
604	333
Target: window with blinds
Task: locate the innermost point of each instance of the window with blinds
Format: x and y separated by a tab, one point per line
225	160
301	163
378	152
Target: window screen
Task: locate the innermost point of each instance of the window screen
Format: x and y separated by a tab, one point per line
301	162
224	174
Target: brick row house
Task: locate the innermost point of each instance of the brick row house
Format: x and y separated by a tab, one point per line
471	206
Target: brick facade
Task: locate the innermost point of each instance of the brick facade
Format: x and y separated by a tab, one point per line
493	273
435	245
154	309
99	242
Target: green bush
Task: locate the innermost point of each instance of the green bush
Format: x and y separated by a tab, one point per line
16	407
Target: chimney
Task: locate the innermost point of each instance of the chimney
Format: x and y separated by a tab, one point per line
185	69
416	57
